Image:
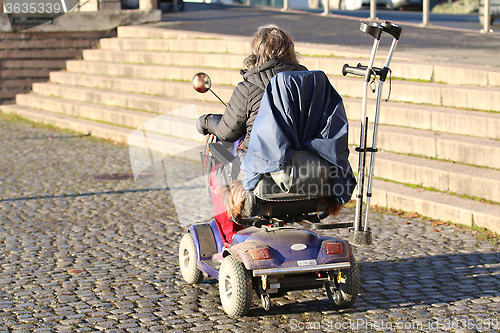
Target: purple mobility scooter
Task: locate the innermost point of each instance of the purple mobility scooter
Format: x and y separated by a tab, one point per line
278	251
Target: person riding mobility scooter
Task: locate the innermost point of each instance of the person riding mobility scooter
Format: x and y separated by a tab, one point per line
296	170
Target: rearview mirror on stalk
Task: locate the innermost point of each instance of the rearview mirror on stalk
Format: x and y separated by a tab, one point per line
202	82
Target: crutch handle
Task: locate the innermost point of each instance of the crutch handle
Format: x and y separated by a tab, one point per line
359	70
392	29
372	28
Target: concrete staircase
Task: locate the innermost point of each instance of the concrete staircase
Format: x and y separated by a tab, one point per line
26	58
439	138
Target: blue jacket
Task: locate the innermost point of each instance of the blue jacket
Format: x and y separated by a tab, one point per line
299	111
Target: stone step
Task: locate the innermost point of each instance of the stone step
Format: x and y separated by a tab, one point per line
153	88
475	151
128	32
234	51
49	43
443	176
59	35
166	124
176	45
330	65
436	205
215	60
129	100
36	63
24	73
41	54
161	143
438	119
7	96
481	98
154	72
402	66
442	146
474	98
27	57
149	32
19	83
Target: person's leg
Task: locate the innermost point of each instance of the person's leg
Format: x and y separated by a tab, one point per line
227	227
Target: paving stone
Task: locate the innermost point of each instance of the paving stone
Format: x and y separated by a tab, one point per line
83	255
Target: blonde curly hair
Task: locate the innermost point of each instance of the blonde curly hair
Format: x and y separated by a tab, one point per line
270	42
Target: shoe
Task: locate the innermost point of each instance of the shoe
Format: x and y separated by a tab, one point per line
217	257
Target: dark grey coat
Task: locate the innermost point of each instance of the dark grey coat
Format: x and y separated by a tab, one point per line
244	104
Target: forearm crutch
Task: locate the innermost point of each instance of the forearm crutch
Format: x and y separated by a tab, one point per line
361	234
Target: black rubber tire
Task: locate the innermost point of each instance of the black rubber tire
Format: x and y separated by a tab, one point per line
349	287
235	287
187	260
181	5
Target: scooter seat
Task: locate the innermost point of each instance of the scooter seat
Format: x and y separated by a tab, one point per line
300	188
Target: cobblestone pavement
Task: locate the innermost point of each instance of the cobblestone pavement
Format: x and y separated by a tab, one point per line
79	255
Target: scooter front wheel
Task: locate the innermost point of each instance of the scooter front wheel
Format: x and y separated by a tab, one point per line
235	287
187	260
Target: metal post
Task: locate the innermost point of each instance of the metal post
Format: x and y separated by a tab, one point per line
487	16
326	7
373	9
425	12
147	5
286	5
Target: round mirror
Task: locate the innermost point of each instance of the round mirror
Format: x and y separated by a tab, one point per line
202	82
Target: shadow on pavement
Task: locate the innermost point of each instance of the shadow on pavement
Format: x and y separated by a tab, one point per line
61	196
439	280
48	137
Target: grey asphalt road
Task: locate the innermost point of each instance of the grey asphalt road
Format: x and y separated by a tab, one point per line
444	44
439	21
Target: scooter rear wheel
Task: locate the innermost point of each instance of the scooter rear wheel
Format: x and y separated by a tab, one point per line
235	287
187	260
349	286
